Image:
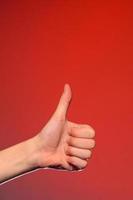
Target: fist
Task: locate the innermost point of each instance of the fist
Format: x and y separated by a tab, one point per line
79	146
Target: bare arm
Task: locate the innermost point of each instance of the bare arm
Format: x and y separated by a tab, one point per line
61	144
18	159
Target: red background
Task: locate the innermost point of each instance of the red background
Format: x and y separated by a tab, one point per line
88	44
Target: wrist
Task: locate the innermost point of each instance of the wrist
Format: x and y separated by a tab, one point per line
40	157
33	151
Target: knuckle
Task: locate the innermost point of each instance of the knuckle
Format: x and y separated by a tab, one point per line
84	164
89	154
92	132
93	143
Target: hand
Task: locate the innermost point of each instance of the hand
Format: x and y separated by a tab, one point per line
63	144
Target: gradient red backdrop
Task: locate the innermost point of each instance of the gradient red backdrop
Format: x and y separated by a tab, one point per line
88	44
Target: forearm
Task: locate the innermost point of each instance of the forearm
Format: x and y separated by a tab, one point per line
18	159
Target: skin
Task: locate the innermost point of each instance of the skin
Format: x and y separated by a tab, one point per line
61	144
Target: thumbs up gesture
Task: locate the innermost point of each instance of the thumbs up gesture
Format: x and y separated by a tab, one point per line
62	144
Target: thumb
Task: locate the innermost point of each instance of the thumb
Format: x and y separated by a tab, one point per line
64	103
